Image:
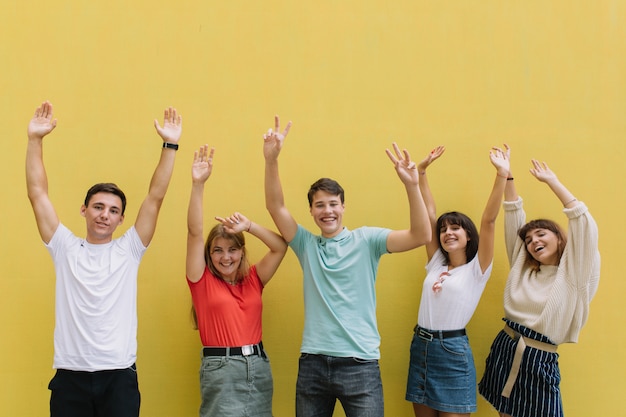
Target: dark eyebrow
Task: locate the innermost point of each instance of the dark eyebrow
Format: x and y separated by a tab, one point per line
100	203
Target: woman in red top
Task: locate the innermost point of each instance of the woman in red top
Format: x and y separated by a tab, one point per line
235	376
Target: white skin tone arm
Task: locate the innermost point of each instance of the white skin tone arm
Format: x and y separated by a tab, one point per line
200	172
543	173
433	244
149	211
46	217
419	231
266	267
398	241
499	160
42	123
510	192
273	142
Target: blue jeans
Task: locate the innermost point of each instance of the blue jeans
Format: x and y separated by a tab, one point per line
322	380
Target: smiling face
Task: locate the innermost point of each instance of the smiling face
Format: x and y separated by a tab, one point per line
458	237
545	242
327	212
226	257
543	245
102	214
453	237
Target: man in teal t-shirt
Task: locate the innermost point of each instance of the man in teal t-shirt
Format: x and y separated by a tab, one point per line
340	344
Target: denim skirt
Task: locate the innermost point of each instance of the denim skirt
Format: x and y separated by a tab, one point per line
236	386
442	374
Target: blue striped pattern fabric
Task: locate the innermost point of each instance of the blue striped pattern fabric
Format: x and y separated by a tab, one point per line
536	391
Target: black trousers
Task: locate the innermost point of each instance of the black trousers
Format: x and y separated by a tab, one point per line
111	393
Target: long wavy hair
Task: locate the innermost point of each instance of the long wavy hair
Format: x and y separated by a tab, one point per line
239	241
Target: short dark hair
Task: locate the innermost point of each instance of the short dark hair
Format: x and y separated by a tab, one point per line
542	224
328	185
459	219
106	187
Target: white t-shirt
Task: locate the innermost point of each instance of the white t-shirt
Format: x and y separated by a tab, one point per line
96	301
453	306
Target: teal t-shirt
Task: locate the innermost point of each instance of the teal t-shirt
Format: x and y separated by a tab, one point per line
339	291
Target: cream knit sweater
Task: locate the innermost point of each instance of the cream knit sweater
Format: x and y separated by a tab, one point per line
555	300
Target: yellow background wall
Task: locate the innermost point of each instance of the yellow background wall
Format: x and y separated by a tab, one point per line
549	78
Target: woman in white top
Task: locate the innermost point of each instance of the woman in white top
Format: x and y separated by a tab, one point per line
442	375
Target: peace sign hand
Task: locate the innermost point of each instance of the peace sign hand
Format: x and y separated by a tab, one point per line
406	169
273	140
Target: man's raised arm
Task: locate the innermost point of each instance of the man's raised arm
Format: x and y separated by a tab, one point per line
274	199
419	231
149	211
46	217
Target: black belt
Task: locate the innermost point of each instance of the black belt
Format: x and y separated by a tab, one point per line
246	350
429	335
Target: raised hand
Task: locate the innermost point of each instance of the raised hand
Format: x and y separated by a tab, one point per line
406	169
235	223
202	164
500	159
172	126
42	123
541	171
273	140
430	158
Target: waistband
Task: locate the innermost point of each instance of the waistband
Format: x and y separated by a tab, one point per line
429	335
522	343
246	350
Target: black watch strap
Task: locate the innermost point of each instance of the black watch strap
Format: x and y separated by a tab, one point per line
170	145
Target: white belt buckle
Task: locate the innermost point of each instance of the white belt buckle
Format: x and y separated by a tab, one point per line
423	334
247	350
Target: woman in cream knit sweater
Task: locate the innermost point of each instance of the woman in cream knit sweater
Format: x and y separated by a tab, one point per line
552	280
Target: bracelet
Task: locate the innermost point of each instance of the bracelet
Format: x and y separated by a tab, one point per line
571	201
249	227
170	145
510	179
421	172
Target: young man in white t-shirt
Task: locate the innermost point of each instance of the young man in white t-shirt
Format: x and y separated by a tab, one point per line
95	336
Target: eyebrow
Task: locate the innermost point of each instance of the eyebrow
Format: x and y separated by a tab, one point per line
332	200
101	203
225	247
